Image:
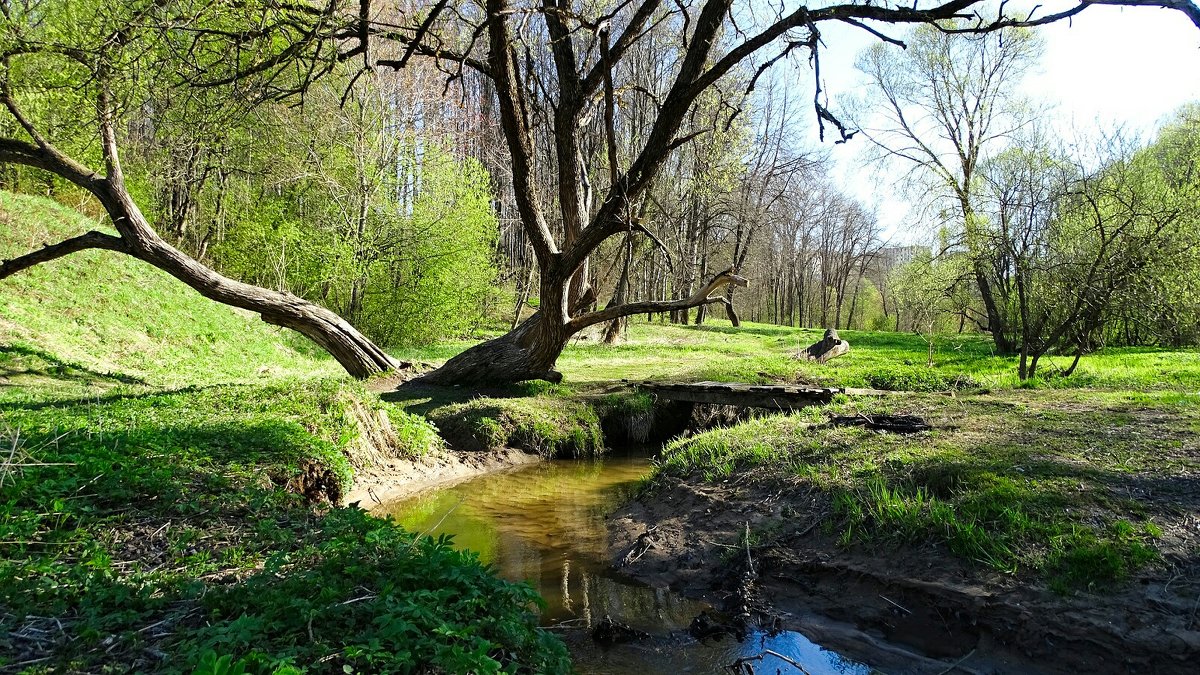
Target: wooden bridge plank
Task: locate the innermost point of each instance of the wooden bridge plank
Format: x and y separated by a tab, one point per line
780	397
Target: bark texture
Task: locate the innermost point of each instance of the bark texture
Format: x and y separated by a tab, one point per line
526	353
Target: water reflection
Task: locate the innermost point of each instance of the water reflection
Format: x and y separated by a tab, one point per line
545	524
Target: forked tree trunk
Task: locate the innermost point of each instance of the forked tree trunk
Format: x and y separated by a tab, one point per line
530	351
526	353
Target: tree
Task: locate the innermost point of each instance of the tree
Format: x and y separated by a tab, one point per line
944	104
926	288
264	49
586	44
1074	234
93	58
1165	307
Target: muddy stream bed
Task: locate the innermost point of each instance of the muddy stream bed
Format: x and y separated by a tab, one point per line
545	524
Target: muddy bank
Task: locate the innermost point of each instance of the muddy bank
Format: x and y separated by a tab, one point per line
904	610
393	479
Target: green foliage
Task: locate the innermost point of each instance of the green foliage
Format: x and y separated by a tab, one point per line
380	600
405	273
415	436
916	378
1164	307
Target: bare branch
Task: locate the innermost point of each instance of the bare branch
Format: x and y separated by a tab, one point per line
48	252
703	296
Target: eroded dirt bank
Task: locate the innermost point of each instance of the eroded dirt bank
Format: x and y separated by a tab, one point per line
397	478
904	610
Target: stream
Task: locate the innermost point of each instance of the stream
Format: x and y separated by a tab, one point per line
545	524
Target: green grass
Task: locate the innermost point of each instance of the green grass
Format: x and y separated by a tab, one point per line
1022	481
165	470
762	353
187	510
99	313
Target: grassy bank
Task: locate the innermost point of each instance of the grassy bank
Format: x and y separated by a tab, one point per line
166	474
1080	488
157	530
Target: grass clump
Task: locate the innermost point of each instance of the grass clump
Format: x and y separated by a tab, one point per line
917	378
546	425
631	403
628	416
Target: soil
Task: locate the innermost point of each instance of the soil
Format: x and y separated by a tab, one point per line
397	478
903	610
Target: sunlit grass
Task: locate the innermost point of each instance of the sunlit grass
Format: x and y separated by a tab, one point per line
763	353
1016	481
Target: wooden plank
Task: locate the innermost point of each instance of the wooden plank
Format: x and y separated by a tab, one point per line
746	399
780	397
852	391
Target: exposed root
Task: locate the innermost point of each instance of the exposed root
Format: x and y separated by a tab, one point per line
645	542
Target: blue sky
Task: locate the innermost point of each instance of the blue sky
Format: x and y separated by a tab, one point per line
1108	66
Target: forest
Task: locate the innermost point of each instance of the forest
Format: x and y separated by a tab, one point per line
278	274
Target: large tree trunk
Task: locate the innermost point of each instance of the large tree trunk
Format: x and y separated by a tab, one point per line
996	323
530	351
527	353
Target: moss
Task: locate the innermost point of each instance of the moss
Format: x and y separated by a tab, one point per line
545	425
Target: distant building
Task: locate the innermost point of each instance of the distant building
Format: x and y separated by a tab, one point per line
895	256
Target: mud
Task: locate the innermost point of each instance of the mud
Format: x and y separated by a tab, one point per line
913	610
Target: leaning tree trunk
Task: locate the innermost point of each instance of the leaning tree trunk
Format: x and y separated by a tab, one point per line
353	350
357	354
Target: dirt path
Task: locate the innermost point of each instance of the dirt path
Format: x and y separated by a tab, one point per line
908	610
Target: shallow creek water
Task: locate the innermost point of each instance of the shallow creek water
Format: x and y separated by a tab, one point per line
545	524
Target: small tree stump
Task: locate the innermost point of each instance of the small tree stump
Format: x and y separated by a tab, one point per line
829	347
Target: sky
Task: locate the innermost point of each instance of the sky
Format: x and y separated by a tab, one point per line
1129	66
